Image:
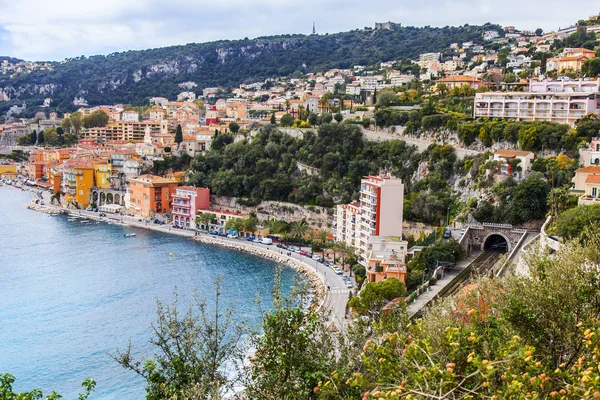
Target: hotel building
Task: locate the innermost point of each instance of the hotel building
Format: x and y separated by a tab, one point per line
555	101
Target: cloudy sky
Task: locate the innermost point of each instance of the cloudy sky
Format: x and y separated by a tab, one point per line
56	29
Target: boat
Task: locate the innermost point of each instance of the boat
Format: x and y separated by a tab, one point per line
129	234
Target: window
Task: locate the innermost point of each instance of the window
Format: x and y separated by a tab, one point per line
81	192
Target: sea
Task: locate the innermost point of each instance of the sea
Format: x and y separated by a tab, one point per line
72	293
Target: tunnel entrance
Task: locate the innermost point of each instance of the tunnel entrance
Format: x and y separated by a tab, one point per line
497	243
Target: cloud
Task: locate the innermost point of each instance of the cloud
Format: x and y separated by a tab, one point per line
55	29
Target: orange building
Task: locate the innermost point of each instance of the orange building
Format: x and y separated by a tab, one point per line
150	194
35	170
386	259
77	180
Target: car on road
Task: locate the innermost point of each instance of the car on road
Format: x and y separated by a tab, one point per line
316	257
462	231
303	253
214	233
345	278
349	284
232	236
280	246
447	233
338	271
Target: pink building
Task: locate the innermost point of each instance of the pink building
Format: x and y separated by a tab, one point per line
187	201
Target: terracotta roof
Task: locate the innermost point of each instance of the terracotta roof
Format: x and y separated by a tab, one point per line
512	153
590	169
459	78
593	179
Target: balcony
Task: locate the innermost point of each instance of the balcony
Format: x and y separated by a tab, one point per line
588	200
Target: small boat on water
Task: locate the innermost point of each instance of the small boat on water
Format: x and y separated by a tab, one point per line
129	234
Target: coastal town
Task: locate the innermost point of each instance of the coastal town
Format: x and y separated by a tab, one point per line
103	158
394	188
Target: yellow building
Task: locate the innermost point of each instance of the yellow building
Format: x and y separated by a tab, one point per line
78	179
8	171
102	174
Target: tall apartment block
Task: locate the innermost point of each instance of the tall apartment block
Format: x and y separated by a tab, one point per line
378	212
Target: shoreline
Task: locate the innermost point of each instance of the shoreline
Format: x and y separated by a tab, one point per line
312	276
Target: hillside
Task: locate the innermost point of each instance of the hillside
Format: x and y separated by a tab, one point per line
133	76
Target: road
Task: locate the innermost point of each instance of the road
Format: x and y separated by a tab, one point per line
421	144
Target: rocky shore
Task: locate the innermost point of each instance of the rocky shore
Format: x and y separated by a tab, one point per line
315	280
33	205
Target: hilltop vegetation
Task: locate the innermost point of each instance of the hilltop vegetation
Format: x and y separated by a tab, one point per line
133	76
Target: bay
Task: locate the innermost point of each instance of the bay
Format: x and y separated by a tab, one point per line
72	292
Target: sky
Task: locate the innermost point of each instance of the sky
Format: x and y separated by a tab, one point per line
51	30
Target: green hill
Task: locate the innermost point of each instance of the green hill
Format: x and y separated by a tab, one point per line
133	76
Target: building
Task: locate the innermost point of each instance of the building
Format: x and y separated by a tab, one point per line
581	175
102	174
555	101
35	170
430	56
591	155
386	259
127	131
222	216
462	80
8	171
130	116
379	214
592	191
573	58
150	195
77	180
187	201
506	160
347	222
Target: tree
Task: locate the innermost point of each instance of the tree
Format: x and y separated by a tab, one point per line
178	135
193	350
292	354
299	229
24	140
286	120
442	89
76	121
67	125
234	127
386	98
97	119
273	120
338	117
40	138
312	118
33	138
206	219
327	118
591	68
376	295
578	222
539	32
7	393
530	199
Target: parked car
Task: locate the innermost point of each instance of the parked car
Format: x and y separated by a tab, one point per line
337	271
232	236
215	233
349	284
345	278
250	239
266	241
303	253
297	250
316	257
279	245
223	234
462	231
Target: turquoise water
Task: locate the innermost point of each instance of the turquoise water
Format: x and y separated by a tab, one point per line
71	293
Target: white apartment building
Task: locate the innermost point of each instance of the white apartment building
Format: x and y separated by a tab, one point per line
378	212
556	101
430	56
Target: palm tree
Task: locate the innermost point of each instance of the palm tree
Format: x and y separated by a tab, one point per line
299	228
321	236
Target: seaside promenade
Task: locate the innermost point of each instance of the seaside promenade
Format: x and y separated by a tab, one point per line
333	300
